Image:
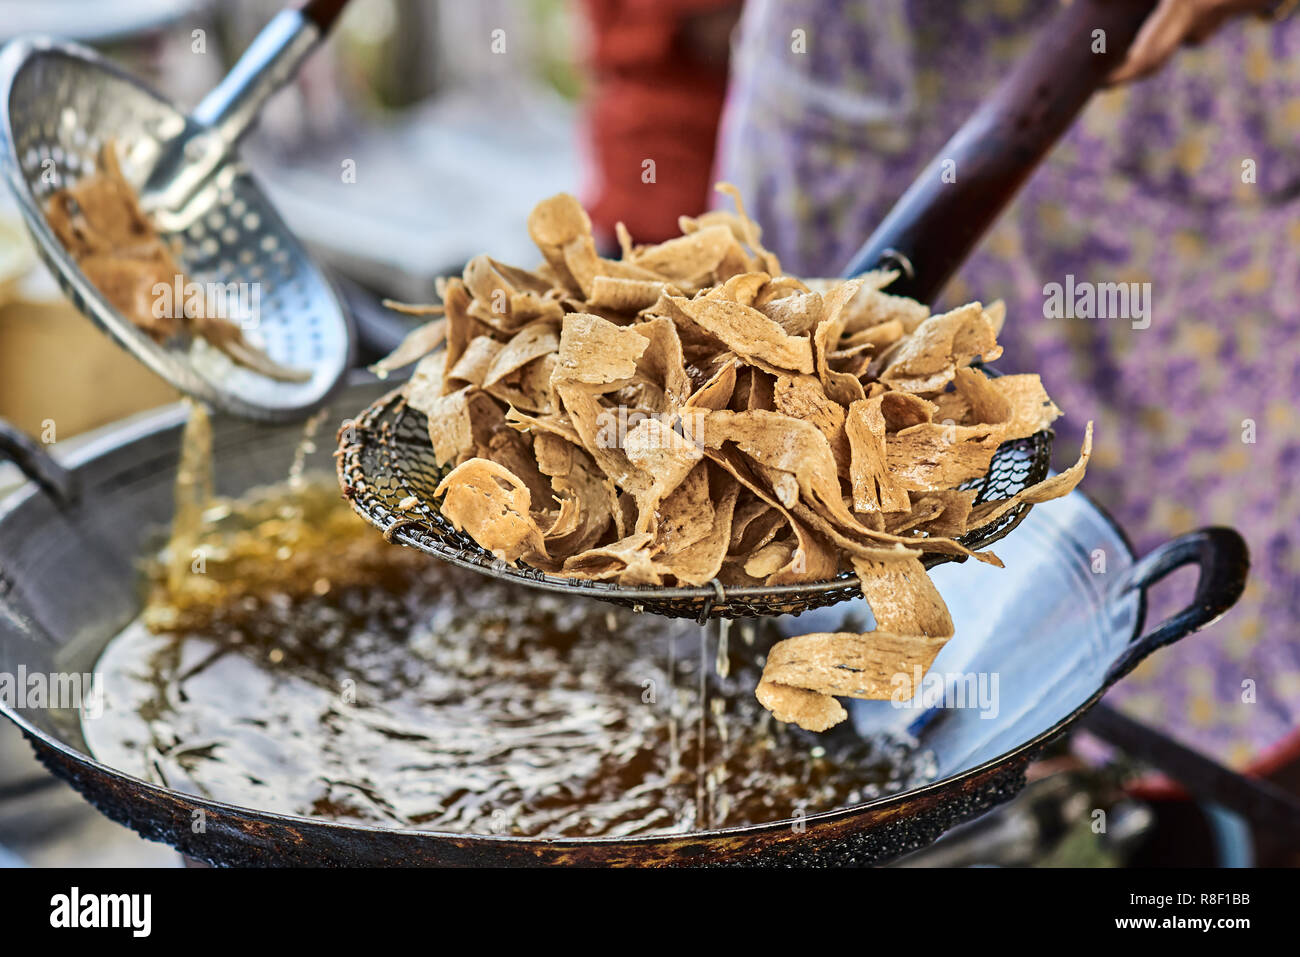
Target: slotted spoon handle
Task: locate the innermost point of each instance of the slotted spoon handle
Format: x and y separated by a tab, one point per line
230	110
270	61
935	224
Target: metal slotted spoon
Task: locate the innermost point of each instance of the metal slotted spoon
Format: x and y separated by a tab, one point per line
61	102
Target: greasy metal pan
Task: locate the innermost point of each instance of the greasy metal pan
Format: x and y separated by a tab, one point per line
1056	626
1056	632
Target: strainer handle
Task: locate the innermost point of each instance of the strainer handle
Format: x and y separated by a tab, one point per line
948	208
35	462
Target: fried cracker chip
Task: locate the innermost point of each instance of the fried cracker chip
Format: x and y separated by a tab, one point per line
750	232
912	625
1031	409
699	562
840	386
874	487
902	410
415	308
687	513
475	361
871	308
797	314
594	351
533	341
427	382
945	513
492	505
499	302
689	259
663	455
419	342
983	402
872	665
748	333
538	424
554	224
903	600
742	288
802	397
575	478
460	423
627	295
927	359
663	361
877	337
629	560
716	392
932	456
528	388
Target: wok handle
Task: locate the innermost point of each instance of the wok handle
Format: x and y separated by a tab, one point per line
935	224
1224	561
35	462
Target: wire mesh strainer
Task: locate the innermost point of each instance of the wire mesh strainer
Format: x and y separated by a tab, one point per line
385	462
60	102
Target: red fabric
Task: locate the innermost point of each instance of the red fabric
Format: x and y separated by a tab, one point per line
651	99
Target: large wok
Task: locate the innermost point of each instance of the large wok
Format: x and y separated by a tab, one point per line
1059	625
1056	632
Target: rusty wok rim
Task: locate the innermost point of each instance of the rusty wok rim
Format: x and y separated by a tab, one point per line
940	789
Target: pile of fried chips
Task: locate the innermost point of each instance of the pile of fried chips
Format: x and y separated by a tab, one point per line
687	413
100	223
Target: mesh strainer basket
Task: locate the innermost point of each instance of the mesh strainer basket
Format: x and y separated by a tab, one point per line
388	472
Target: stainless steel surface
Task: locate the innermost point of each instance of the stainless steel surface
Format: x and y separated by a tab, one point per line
59	103
189	161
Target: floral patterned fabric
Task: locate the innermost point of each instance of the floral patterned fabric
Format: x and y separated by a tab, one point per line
824	129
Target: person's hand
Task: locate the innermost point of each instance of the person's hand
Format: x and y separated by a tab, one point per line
1174	23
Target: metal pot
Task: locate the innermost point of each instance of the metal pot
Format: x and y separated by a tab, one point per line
1058	626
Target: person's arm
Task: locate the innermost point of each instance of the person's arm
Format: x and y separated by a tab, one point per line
1176	22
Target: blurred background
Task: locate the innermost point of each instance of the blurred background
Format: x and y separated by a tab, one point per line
401	151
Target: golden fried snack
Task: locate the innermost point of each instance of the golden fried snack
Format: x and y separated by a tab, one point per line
687	413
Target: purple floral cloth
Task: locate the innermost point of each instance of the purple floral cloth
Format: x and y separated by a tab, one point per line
1189	181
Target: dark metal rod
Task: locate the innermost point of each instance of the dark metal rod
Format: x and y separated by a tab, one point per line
1261	802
